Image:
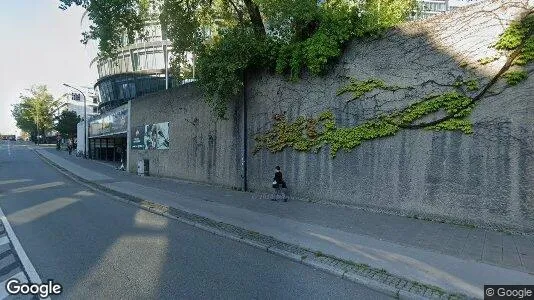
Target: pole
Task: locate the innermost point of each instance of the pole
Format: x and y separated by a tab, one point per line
84	125
245	133
166	59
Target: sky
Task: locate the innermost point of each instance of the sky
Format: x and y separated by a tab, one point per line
39	44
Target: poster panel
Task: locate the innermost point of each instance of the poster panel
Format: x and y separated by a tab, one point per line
151	136
157	136
138	138
163	136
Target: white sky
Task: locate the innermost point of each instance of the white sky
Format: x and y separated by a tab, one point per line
39	44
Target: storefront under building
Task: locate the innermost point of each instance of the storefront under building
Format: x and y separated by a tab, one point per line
108	134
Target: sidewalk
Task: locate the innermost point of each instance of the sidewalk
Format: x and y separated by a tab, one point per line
455	258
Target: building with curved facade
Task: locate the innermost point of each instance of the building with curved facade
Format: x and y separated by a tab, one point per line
139	67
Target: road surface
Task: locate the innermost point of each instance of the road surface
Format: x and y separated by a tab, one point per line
100	248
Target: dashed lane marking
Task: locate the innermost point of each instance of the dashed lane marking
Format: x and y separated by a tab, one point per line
27	266
20	276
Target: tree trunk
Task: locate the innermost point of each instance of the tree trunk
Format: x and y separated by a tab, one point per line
255	17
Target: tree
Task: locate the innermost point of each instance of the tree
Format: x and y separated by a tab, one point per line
35	111
67	123
228	37
113	20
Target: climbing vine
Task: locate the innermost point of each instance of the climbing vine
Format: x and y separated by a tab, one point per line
359	88
518	39
470	85
310	134
515	77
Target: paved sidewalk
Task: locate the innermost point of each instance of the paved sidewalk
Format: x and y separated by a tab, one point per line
453	257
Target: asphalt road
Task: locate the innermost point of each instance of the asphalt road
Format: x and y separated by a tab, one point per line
100	248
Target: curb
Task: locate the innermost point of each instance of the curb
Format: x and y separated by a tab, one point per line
378	280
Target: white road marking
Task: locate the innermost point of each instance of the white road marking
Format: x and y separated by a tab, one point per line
4	240
2	182
26	263
3	292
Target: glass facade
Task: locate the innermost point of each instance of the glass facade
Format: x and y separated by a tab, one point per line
139	67
117	90
429	8
149	56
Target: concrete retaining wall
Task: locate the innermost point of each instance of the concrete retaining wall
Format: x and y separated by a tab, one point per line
486	178
201	148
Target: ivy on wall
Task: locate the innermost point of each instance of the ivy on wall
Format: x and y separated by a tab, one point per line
360	88
310	134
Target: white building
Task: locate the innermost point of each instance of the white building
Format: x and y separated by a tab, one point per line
74	102
429	8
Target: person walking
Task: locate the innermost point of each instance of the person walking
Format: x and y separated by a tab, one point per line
279	184
70	145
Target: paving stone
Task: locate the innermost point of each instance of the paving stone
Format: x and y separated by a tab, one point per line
492	254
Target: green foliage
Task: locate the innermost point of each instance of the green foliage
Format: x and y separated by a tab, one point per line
114	21
487	60
527	53
34	113
511	38
319	40
301	34
517	33
67	123
221	65
515	77
519	36
307	134
310	134
470	85
462	125
359	88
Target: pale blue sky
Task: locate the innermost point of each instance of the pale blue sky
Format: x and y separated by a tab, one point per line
39	44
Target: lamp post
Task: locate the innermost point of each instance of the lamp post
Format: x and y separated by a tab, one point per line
84	120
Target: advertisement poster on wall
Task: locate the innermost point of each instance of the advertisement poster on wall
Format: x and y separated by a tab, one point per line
152	136
138	138
163	136
115	121
157	136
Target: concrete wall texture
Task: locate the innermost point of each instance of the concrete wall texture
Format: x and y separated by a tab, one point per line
202	148
486	178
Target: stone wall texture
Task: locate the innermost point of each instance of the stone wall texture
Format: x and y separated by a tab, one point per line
486	178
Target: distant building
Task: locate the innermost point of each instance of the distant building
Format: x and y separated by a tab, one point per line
429	8
74	102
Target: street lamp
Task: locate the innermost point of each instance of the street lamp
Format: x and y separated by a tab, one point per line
84	120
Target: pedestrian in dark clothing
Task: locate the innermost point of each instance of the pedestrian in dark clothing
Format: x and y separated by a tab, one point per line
279	183
70	146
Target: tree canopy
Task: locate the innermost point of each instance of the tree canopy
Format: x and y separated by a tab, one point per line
228	37
67	123
35	111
